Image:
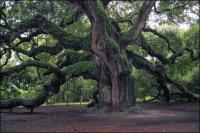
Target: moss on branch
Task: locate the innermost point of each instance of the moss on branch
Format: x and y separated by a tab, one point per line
19	68
69	57
68	40
110	44
126	37
124	66
31	103
80	67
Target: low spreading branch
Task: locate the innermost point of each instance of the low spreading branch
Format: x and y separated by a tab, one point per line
53	50
159	72
32	103
38	21
155	32
141	42
18	68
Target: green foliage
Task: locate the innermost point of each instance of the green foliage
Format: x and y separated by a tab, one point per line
80	67
53	10
191	38
176	10
110	44
125	36
22	86
80	28
72	90
101	12
73	56
136	49
124	66
184	64
194	82
156	43
144	85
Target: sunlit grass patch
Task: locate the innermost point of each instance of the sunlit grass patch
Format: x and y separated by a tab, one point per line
67	104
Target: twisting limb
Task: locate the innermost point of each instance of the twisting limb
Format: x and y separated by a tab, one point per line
28	38
36	101
53	50
177	52
38	21
159	72
139	24
68	57
18	68
48	90
141	19
183	89
161	36
141	42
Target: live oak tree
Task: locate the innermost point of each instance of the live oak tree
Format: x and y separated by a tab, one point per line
69	38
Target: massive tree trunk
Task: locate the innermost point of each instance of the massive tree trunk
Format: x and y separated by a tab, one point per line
103	96
108	99
116	86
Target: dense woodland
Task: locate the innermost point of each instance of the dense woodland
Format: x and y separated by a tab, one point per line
111	54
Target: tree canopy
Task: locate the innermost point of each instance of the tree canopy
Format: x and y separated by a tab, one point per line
120	50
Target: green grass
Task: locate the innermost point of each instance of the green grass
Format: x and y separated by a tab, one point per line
70	104
146	98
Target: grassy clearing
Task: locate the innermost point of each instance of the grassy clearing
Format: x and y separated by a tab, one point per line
67	104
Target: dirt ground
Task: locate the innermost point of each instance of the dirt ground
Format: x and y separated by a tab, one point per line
153	117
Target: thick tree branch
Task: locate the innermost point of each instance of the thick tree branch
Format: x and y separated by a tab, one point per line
38	21
183	89
48	90
22	66
141	42
29	37
79	68
53	50
141	19
32	103
155	32
159	72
